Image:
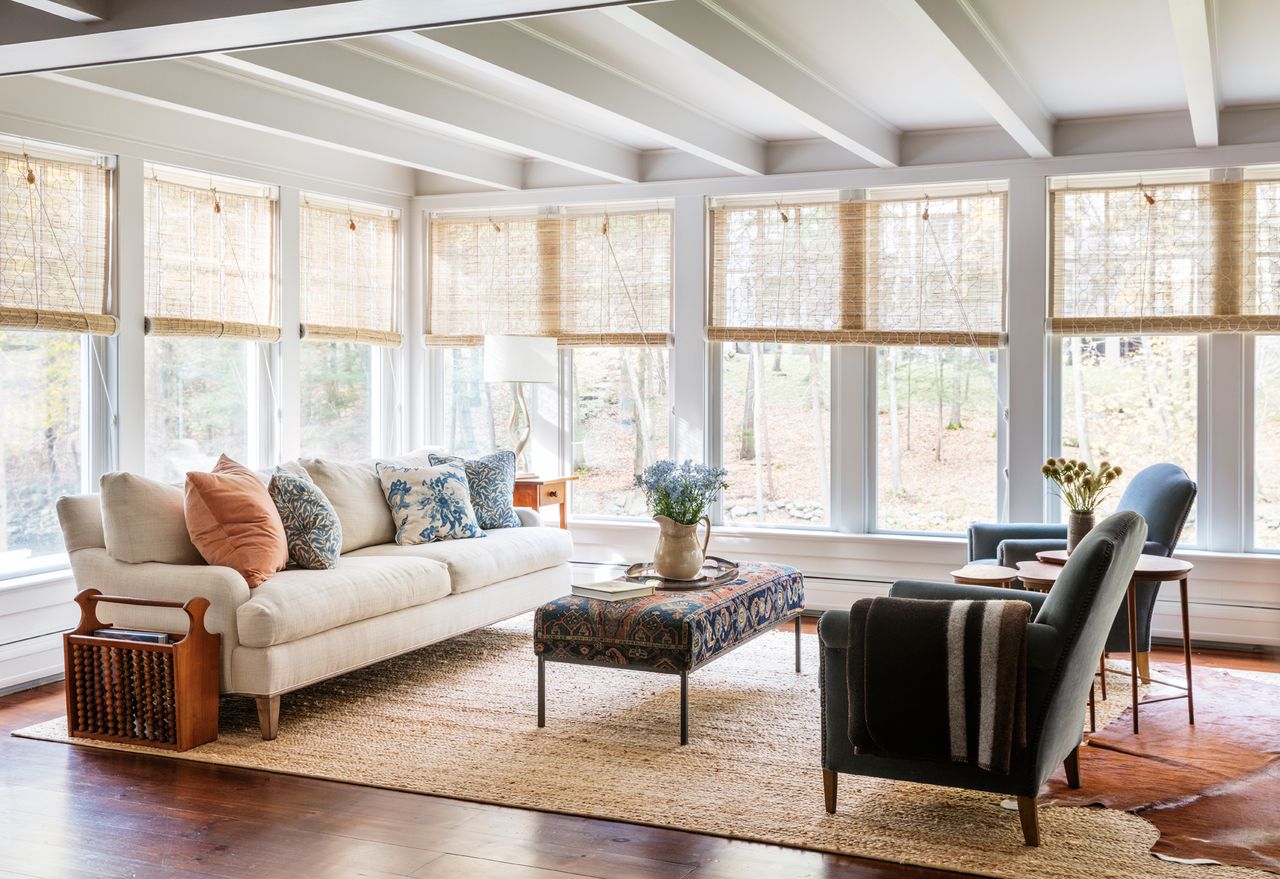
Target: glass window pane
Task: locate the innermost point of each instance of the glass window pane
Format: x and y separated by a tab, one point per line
41	397
476	414
1130	400
1266	443
776	433
620	426
937	462
337	399
198	399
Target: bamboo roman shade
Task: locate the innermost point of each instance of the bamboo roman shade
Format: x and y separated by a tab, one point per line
908	272
584	279
1168	258
55	245
348	261
210	260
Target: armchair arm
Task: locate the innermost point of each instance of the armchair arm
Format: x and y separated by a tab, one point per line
984	539
1010	552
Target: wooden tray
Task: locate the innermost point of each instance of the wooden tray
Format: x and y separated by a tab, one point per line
715	572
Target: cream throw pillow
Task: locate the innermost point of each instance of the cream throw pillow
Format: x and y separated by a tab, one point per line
356	494
143	521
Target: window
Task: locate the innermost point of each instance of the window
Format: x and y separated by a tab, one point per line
338	399
620	426
474	413
776	433
210	300
55	244
44	442
1266	443
936	431
349	290
1130	400
201	401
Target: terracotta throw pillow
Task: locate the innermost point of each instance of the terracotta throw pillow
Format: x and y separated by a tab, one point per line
233	521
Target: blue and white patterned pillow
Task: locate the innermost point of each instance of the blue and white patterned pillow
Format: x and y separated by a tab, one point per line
492	480
429	503
311	527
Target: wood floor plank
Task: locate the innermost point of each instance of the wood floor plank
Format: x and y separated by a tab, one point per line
69	812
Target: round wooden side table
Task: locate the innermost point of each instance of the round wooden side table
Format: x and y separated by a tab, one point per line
1152	568
985	575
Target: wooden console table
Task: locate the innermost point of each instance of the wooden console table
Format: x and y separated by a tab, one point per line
536	493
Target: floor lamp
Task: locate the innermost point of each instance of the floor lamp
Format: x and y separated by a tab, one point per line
520	360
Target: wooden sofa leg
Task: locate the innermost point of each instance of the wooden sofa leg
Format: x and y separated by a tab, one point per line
830	782
1030	819
1072	766
268	716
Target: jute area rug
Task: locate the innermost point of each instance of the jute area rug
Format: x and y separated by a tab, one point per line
458	720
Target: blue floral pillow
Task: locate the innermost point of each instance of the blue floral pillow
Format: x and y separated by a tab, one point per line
429	503
492	480
311	527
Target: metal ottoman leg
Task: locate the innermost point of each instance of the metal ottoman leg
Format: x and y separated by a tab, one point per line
797	644
542	692
684	708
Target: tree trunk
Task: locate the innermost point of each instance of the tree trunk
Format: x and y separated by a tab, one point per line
956	421
941	421
895	434
777	358
747	435
763	456
1077	389
819	426
640	416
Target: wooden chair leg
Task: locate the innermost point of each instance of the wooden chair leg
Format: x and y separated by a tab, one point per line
1030	818
1072	766
830	781
268	716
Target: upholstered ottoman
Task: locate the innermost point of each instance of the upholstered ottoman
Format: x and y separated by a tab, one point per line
670	632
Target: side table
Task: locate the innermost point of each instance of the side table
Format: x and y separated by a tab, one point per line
536	493
985	575
1157	568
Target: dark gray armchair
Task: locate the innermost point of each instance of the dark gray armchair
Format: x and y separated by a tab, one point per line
1162	494
1066	634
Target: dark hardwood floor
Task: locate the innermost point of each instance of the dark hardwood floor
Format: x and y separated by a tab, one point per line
82	812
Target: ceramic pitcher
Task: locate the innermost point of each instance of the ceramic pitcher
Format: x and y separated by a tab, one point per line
678	555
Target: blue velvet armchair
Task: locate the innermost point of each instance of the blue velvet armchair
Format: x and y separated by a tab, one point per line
1064	638
1162	494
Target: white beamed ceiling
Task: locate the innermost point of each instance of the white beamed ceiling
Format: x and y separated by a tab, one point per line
705	88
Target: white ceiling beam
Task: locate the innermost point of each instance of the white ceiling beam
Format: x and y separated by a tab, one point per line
1193	30
193	87
136	30
954	34
82	11
708	39
520	54
337	71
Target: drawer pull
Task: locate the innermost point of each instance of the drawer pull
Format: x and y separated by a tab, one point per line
553	493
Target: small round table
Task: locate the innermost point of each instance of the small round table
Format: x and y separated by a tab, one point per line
985	575
1159	569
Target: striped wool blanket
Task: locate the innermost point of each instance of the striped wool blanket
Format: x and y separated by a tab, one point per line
939	680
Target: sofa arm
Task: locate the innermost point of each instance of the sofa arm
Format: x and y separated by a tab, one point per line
528	518
224	587
984	539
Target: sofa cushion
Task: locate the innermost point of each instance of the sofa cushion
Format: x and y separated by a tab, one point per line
491	481
429	503
143	521
234	522
356	494
505	553
296	603
311	526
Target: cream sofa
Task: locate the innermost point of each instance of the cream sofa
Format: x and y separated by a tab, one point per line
303	626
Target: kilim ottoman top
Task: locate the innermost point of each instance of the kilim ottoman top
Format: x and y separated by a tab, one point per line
673	632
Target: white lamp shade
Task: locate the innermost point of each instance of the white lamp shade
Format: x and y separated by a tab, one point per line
520	359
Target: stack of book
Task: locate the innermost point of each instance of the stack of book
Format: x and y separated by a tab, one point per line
615	590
